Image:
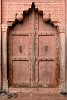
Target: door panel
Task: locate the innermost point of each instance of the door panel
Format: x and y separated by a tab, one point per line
47	46
47	73
46	68
20	51
20	45
19	59
20	67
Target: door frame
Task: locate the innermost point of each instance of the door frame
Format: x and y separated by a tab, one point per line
61	34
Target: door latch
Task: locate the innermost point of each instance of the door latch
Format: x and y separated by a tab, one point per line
20	48
46	47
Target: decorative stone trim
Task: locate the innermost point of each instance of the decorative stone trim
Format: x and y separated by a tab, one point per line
46	16
19	16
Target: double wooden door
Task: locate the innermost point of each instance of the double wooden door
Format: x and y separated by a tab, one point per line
33	53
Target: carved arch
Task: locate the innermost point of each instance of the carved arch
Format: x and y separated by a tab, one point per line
46	16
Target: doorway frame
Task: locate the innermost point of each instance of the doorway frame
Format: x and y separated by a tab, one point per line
61	34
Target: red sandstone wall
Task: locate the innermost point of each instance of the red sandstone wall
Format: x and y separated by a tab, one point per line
54	7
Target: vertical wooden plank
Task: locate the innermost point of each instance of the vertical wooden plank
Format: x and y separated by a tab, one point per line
0	43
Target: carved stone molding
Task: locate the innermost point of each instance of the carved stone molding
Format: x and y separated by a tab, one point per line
46	16
19	16
4	27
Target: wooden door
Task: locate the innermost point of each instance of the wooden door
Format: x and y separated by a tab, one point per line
47	68
33	53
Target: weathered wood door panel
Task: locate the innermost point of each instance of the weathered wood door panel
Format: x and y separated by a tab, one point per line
20	51
46	54
19	59
47	60
19	54
33	53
